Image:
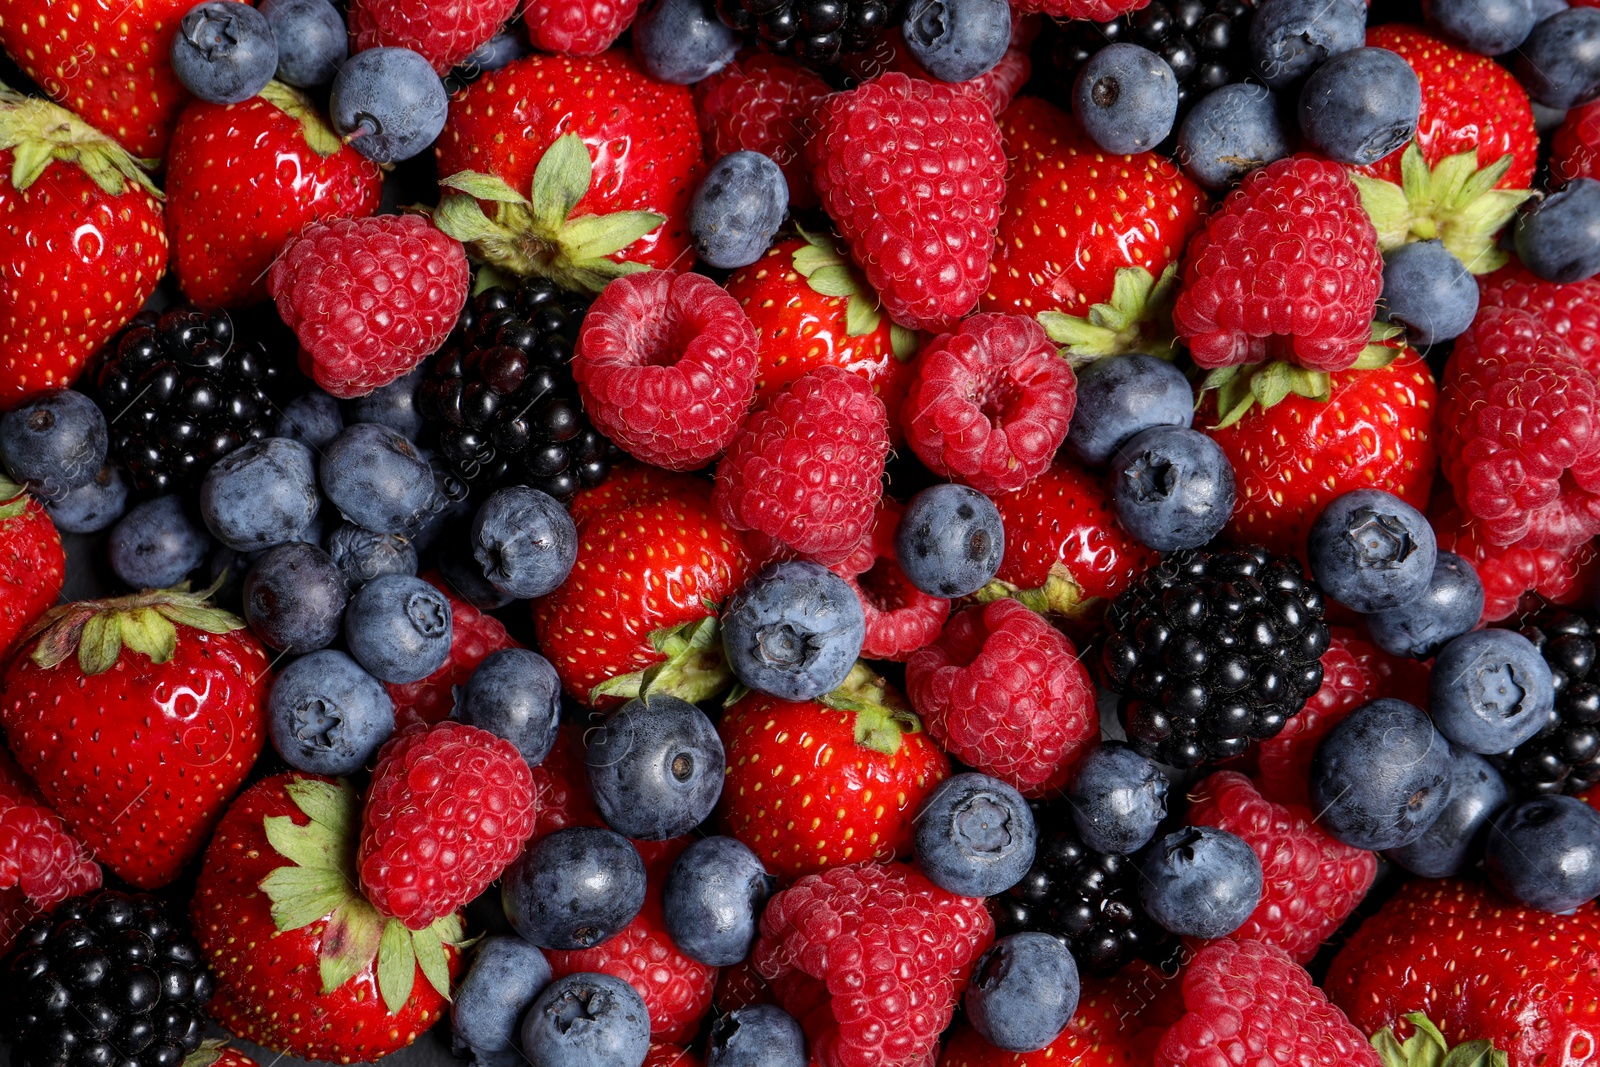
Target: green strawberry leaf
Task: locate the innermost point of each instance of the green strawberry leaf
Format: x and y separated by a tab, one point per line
209	1052
881	720
429	946
1138	318
97	630
350	942
15	498
329	804
39	133
148	631
320	137
902	342
483	187
1059	595
1427	1047
397	965
100	645
833	280
561	179
693	666
593	237
302	895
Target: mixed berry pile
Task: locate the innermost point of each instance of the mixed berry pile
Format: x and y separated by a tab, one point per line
800	533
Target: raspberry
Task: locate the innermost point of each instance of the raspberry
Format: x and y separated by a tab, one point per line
1520	433
449	806
663	1054
577	27
1510	571
1310	882
473	636
913	173
1575	146
1287	267
368	298
1003	691
1572	311
806	470
900	617
870	959
1094	10
666	367
740	986
561	788
444	32
990	403
38	855
764	103
997	86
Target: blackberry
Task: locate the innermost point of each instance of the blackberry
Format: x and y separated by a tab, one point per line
1211	650
110	978
501	398
1565	755
180	390
819	32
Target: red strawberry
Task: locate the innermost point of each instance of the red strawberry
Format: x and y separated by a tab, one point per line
444	32
242	180
215	1053
32	564
1575	146
473	636
138	717
577	27
1572	310
40	861
763	103
82	244
1508	572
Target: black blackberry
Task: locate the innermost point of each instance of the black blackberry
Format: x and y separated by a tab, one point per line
501	398
817	31
180	390
1565	755
110	978
1211	650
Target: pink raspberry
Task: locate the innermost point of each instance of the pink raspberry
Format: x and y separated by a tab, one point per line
577	27
444	32
1571	310
764	103
1511	572
37	853
900	617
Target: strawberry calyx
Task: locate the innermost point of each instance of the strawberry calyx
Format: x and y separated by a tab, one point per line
538	234
1137	318
882	716
320	136
1453	201
1059	595
320	883
1246	385
694	667
13	498
39	133
97	630
829	272
1426	1047
209	1052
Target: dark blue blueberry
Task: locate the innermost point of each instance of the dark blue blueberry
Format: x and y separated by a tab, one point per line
1172	487
1488	27
1121	396
1543	9
53	443
1455	839
1559	237
224	52
1200	882
92	506
377	479
506	975
1023	992
388	103
1291	38
294	598
313	418
957	40
1118	799
1371	551
398	628
524	541
514	694
655	768
312	40
713	898
1545	853
1361	105
1559	63
758	1035
260	495
1427	291
950	541
362	555
326	715
737	209
974	836
682	41
1381	776
793	631
1490	690
393	405
1229	133
1126	98
574	888
157	544
587	1020
1449	608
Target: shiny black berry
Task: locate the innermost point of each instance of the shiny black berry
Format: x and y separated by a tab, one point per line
819	32
1565	755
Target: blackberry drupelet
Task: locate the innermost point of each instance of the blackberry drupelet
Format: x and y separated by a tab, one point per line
180	390
501	398
1565	755
110	978
818	32
1211	650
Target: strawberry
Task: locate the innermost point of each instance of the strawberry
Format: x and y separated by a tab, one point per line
242	180
304	965
82	246
216	1053
138	717
32	564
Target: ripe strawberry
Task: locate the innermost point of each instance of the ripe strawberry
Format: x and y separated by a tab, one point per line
83	242
242	180
32	564
913	173
865	766
40	860
1575	146
1509	572
138	717
444	32
215	1053
1572	310
763	103
900	618
473	637
577	27
304	964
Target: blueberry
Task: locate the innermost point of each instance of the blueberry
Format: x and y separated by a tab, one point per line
1427	291
1024	990
713	898
1118	799
737	209
758	1035
1559	237
1371	551
1451	844
574	888
1291	38
393	405
157	544
1361	105
92	506
224	52
388	103
950	541
377	479
957	40
974	835
1559	63
587	1020
1381	776
1125	98
514	694
328	716
1121	396
1172	487
362	555
1449	608
294	598
682	41
1488	27
313	417
1545	853
312	40
260	495
1543	9
54	442
655	768
1200	882
793	631
1490	690
398	628
524	541
1228	133
506	975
